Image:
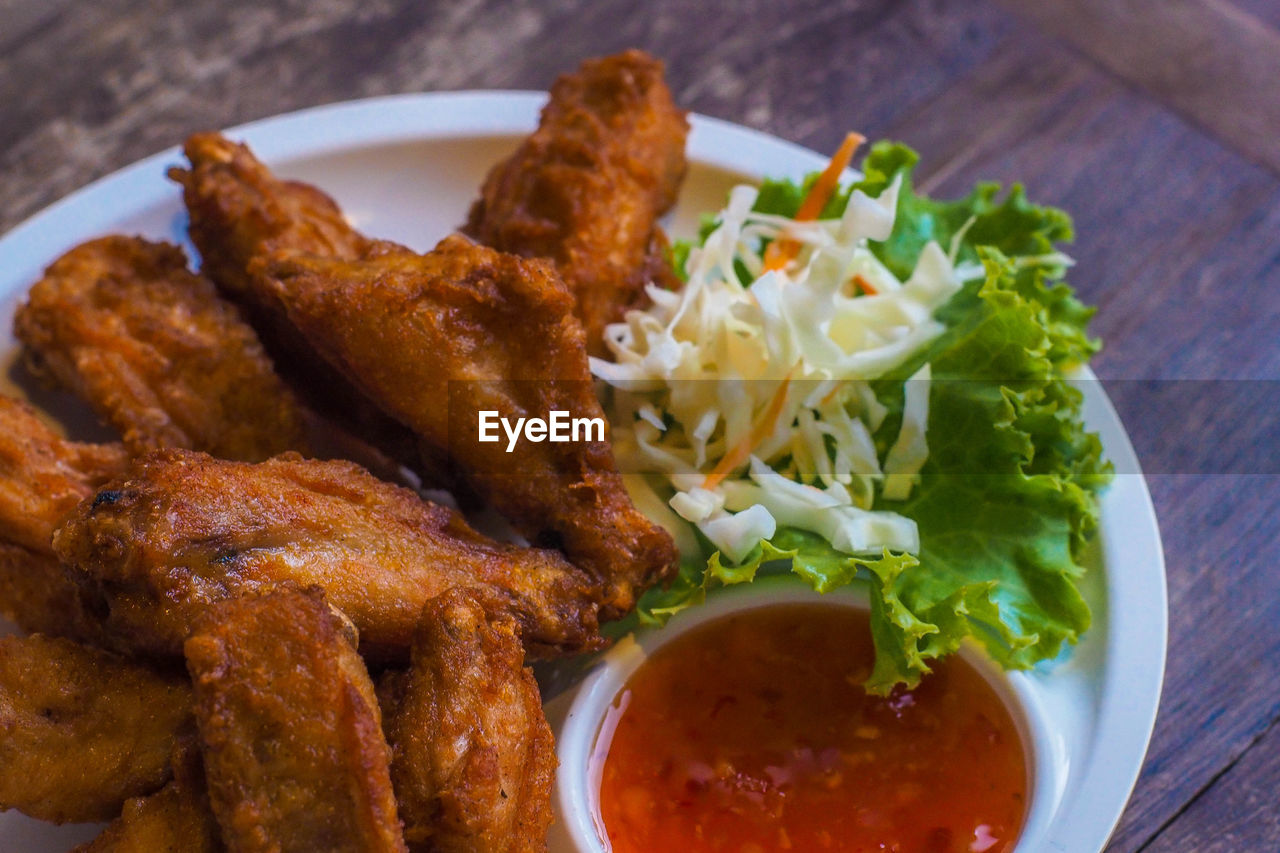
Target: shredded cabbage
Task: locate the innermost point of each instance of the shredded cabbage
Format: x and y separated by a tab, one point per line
748	389
977	436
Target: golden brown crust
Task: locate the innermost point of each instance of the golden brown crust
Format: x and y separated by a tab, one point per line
239	211
437	338
175	819
183	531
585	190
43	476
291	730
155	351
39	596
473	759
83	730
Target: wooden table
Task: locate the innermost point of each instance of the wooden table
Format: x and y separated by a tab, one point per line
1156	124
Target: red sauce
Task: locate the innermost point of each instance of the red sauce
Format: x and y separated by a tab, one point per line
752	734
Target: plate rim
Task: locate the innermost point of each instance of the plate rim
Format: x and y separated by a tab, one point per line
1128	527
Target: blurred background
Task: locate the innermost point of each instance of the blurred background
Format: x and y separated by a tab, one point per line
1156	124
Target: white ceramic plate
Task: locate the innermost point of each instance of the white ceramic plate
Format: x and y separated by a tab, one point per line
407	167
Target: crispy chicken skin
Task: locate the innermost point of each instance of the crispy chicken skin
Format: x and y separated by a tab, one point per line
83	730
43	476
39	596
473	759
586	189
291	730
155	351
175	819
182	531
438	338
42	479
239	211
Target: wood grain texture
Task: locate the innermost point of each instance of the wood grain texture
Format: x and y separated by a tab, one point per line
1236	813
22	19
1266	11
1213	62
1159	138
1220	691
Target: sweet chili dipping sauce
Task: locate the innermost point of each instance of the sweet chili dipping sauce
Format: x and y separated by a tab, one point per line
752	733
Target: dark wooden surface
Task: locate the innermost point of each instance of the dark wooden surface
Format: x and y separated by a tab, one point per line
1156	123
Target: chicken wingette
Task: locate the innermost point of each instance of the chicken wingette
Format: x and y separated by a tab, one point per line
43	477
473	759
436	340
585	190
290	729
157	354
83	730
240	212
175	819
457	314
182	531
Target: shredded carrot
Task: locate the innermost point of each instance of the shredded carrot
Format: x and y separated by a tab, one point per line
829	180
831	395
780	252
759	431
865	286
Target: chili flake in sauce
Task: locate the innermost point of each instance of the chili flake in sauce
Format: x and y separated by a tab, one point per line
752	733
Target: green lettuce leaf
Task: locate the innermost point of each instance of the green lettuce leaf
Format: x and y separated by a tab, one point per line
1007	499
1011	225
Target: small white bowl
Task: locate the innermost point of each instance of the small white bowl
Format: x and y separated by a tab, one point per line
587	730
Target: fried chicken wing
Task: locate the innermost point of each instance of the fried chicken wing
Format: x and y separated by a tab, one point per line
497	319
83	730
175	819
438	338
157	353
586	189
291	731
183	531
39	596
473	759
43	476
239	211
